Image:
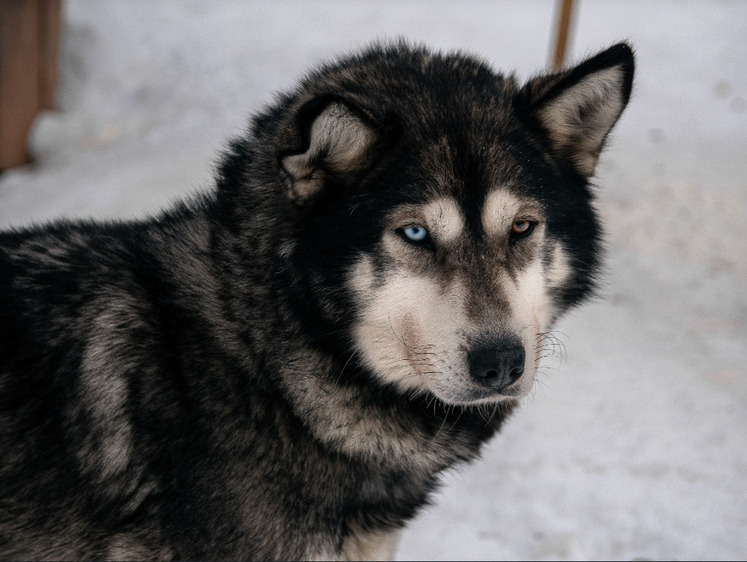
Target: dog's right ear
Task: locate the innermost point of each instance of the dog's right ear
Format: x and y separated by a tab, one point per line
337	144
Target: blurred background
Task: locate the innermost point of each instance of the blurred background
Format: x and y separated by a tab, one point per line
634	442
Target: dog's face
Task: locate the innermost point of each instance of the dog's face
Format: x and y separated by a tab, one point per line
444	231
454	307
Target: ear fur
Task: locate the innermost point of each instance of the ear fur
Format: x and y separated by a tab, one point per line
578	107
337	144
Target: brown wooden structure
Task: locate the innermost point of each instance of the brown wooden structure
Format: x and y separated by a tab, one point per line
29	50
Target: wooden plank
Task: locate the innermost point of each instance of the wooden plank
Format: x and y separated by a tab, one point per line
49	40
19	78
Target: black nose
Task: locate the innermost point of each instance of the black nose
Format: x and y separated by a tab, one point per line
497	364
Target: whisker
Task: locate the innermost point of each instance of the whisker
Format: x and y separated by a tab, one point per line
493	413
337	381
402	341
439	429
453	425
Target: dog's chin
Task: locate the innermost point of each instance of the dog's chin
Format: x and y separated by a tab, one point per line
474	395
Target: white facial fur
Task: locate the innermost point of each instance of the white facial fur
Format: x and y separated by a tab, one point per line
415	326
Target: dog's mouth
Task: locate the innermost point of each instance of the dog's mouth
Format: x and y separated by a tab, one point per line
479	395
469	394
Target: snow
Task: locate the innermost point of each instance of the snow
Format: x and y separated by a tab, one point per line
633	444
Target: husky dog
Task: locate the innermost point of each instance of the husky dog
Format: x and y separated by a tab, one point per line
282	367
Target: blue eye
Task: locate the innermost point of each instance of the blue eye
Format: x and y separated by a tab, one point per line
415	233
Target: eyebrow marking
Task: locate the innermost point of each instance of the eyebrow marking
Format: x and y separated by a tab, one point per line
502	208
445	219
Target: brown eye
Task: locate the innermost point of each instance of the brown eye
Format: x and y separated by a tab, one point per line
521	228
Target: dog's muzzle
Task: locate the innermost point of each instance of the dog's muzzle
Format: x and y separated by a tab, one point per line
497	364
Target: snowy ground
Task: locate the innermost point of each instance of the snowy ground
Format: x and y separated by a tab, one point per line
633	446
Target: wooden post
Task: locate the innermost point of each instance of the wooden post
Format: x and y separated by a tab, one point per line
564	17
29	35
50	15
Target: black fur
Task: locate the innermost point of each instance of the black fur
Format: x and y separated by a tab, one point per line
169	388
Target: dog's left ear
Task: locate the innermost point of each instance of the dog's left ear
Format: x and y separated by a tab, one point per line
578	107
336	145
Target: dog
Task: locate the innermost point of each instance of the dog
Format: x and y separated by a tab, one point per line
282	367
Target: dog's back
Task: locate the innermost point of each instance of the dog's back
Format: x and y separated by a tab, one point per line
84	317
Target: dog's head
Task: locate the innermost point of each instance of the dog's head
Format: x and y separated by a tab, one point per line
442	214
